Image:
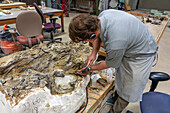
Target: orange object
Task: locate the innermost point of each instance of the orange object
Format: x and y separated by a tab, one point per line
127	7
5	27
9	47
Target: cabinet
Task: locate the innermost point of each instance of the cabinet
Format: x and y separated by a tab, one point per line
83	10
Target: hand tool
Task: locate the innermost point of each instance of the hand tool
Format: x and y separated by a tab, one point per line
87	69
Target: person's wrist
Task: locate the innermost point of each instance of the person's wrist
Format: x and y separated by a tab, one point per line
93	53
89	68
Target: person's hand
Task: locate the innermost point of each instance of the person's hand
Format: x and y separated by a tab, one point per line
90	60
80	72
84	71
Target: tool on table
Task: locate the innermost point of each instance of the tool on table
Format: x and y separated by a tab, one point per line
22	8
103	81
100	83
96	79
87	69
5	11
7	1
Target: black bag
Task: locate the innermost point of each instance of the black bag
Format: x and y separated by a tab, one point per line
6	35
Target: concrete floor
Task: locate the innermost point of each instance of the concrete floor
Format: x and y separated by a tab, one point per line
163	64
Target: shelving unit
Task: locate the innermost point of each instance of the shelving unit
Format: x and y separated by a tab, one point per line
83	10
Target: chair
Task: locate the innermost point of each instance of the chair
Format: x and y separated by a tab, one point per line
48	27
29	25
156	102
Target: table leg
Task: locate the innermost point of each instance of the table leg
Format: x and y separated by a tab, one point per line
62	22
69	4
89	6
94	6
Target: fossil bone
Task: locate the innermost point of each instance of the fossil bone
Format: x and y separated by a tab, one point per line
44	72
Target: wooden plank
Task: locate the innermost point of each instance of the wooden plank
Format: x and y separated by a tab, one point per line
138	14
82	10
12	5
160	35
110	93
102	52
95	100
9	21
157	30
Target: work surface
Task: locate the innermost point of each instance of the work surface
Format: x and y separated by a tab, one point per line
157	30
11	18
14	14
96	100
12	5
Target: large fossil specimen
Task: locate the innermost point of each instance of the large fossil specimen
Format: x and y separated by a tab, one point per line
42	79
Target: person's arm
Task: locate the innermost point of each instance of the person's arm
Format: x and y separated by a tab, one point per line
99	66
96	47
113	59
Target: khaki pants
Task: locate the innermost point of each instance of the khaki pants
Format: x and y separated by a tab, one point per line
119	105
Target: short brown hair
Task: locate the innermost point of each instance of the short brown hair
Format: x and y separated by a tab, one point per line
81	26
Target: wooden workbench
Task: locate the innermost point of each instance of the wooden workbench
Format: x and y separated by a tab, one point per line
11	18
96	100
157	31
12	5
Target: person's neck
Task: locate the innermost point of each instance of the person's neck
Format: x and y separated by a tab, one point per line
98	30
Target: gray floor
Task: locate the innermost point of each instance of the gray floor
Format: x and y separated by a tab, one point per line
163	62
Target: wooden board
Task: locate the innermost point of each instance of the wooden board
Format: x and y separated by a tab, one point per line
97	99
157	31
12	5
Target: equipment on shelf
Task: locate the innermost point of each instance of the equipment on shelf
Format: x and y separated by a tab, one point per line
62	5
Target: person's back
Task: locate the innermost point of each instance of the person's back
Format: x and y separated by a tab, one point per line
130	48
125	31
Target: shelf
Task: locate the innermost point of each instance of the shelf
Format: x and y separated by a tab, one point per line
83	10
